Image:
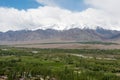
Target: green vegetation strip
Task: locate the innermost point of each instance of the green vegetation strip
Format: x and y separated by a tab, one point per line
58	64
93	42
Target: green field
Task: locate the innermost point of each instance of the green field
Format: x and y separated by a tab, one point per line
59	64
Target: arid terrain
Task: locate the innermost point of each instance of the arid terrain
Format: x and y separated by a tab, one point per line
68	45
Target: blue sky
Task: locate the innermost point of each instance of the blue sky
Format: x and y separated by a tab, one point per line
19	4
74	5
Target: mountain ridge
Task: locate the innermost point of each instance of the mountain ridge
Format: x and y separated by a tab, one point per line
74	34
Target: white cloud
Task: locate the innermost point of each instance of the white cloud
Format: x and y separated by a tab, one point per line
110	6
57	18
